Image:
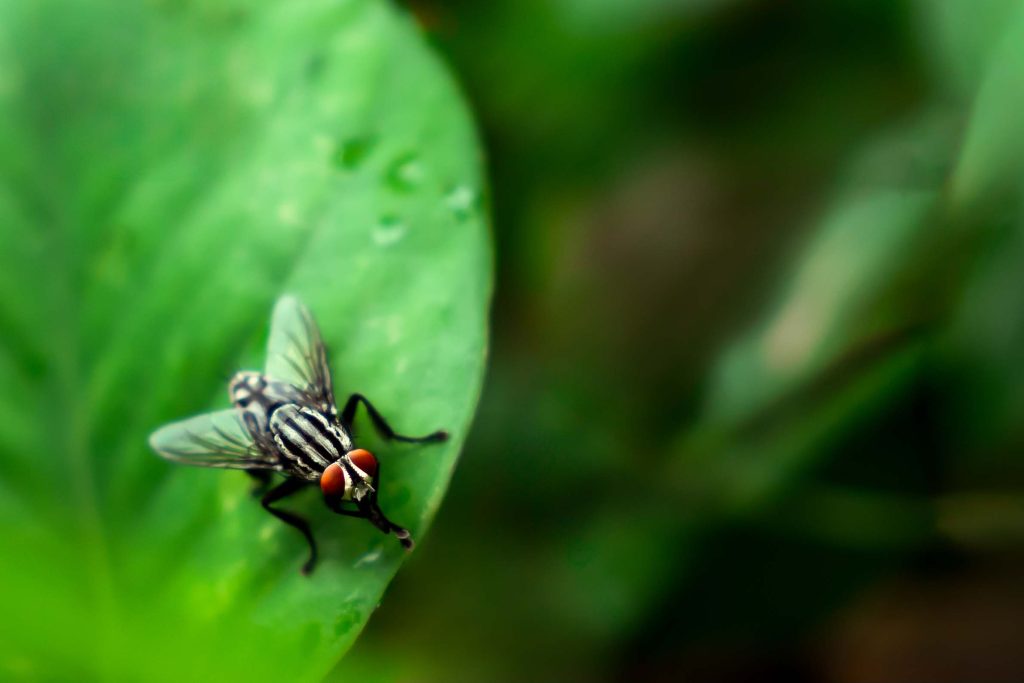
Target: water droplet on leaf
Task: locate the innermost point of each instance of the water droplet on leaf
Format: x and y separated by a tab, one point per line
353	152
461	199
405	172
388	231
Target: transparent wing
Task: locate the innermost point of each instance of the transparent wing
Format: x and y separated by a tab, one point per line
218	439
296	354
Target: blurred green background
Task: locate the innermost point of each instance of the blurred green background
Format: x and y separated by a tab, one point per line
754	406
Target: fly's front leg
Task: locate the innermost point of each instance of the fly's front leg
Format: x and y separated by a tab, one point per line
338	506
370	511
401	532
283	490
381	425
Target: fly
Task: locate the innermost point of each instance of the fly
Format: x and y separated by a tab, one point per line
285	420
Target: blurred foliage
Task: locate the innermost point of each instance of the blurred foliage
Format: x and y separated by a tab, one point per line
167	169
755	399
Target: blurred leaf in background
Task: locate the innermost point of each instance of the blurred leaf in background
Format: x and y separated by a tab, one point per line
168	169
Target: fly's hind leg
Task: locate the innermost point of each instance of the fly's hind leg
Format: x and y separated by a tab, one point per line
381	425
283	490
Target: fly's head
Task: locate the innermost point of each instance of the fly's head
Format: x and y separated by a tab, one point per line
351	477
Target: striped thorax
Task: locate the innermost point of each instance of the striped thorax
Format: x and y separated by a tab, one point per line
318	449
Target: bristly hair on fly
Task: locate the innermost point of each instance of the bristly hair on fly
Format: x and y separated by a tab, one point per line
285	420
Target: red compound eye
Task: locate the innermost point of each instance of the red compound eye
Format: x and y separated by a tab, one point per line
364	460
334	480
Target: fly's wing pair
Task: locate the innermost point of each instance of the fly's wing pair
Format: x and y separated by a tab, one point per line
232	438
219	439
296	355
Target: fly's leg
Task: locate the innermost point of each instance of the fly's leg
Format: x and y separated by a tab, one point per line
371	512
381	425
337	506
283	490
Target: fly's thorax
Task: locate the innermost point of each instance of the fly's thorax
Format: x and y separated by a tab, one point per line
307	439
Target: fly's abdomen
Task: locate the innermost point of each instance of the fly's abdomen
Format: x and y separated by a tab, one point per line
258	397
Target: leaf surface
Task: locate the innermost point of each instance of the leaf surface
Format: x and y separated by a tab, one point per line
167	170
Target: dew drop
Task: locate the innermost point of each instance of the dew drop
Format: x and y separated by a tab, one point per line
461	199
344	624
405	172
369	558
389	230
351	153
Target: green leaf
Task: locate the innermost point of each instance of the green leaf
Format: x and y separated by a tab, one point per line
842	340
959	36
828	306
167	170
992	157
